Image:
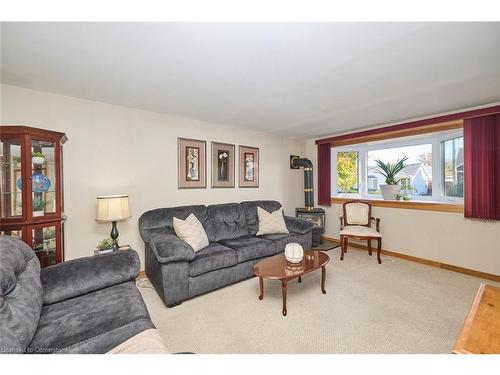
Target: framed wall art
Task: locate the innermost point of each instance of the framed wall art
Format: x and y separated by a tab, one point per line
191	163
223	161
248	166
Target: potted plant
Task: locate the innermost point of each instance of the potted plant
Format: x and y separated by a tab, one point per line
389	171
105	246
38	206
407	192
37	158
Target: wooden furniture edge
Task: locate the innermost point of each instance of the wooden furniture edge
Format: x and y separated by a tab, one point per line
14	129
291	277
432	263
465	331
409	205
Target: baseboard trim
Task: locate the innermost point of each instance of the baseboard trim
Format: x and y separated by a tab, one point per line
432	263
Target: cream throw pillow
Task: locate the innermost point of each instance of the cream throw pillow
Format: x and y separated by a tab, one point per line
191	231
270	223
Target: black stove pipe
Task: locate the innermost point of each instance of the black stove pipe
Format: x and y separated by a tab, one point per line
308	180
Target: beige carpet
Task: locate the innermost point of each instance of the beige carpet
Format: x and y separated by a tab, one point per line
396	307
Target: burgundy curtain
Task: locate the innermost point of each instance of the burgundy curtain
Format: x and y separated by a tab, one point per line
324	173
482	167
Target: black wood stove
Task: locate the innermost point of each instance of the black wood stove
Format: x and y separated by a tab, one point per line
309	212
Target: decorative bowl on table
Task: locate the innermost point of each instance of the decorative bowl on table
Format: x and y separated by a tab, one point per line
294	253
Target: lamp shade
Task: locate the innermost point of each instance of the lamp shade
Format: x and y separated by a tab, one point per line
112	208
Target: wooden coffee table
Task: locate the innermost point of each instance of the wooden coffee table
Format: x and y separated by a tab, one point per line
278	268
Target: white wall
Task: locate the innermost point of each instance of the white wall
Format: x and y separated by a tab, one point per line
119	150
439	236
114	149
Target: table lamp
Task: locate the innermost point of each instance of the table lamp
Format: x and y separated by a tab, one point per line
113	208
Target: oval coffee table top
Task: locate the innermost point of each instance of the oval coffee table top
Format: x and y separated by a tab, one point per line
277	267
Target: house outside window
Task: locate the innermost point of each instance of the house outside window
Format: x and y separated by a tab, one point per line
373	183
433	171
416	175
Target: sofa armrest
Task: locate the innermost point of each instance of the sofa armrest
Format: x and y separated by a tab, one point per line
169	248
297	225
85	275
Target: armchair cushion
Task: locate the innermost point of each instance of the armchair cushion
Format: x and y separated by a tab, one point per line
357	213
170	248
21	295
93	323
299	226
84	275
357	230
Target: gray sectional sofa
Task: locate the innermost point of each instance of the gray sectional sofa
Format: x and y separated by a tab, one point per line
179	273
86	305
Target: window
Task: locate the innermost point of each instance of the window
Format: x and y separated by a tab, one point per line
348	172
417	173
433	170
453	167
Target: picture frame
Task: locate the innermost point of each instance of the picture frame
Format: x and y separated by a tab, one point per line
248	173
223	165
191	163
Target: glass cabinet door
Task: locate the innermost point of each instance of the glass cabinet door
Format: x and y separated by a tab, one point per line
43	178
30	197
16	233
44	244
11	202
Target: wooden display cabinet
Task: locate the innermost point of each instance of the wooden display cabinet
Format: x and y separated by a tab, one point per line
31	201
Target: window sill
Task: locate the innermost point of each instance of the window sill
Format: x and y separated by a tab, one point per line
409	205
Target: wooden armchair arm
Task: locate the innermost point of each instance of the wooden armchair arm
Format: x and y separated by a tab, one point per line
377	223
341	223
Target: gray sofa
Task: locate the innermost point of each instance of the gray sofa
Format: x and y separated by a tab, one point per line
86	305
178	273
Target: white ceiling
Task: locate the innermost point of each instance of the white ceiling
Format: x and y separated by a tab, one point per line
296	79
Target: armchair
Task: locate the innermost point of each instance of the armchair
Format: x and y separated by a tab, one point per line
84	305
356	223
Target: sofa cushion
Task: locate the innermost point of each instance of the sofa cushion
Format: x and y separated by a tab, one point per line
95	322
226	221
191	231
21	294
282	239
212	257
160	220
271	222
250	209
250	247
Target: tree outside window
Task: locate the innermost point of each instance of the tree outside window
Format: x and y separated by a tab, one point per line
347	172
